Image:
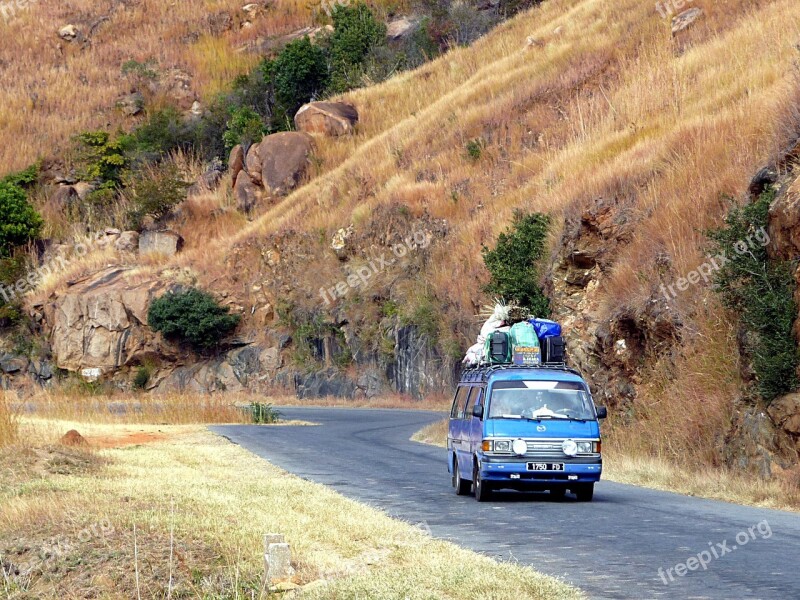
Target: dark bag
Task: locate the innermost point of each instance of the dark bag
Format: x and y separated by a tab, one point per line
553	350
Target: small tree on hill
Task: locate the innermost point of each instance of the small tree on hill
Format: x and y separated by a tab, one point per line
19	221
192	316
513	264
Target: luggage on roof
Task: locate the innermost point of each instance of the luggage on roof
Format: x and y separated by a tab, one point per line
525	348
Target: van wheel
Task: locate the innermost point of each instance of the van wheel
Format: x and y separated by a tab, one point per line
482	488
558	493
462	487
585	492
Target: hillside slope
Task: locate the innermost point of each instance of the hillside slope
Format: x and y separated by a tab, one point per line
631	137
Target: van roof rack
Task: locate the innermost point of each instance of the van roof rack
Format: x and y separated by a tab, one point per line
482	372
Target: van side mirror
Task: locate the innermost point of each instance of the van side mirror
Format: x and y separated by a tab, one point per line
602	412
477	411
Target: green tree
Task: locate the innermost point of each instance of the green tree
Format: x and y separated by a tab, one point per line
155	191
299	73
761	291
19	221
192	316
245	127
103	158
356	33
513	264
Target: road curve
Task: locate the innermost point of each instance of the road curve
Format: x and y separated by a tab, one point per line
612	547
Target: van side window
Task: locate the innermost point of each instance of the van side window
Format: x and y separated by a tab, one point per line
458	403
473	398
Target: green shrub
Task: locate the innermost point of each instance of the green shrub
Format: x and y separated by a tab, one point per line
164	131
191	316
512	265
142	377
475	149
245	127
263	413
761	292
103	159
19	221
155	191
356	33
299	73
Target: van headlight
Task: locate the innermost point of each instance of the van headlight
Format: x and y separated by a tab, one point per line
584	447
502	445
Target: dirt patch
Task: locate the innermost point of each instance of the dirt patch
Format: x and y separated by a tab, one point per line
128	439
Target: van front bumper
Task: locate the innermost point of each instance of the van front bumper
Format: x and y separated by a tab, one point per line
515	472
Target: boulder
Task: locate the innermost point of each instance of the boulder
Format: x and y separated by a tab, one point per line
252	164
69	33
236	162
785	413
284	159
83	189
339	243
131	104
685	19
64	196
401	28
165	242
246	192
128	241
326	118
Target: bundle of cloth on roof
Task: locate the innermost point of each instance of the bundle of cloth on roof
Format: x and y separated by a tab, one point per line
511	335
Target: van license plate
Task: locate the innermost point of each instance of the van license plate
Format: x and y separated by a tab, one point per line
545	466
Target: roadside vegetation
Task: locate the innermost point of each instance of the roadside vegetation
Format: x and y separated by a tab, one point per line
163	510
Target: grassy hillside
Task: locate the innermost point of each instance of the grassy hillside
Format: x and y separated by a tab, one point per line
573	108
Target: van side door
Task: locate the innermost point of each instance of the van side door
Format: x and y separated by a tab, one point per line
455	425
473	426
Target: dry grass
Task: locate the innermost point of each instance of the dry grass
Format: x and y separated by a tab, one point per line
703	482
172	408
189	488
9	426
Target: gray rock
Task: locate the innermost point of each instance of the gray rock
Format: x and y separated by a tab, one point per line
685	19
131	104
165	242
10	363
128	241
285	158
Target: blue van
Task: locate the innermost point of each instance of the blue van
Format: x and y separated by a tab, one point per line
524	428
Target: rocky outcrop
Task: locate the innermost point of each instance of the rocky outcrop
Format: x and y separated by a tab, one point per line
326	118
102	322
285	158
401	28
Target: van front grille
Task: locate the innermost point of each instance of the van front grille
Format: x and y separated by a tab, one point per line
551	449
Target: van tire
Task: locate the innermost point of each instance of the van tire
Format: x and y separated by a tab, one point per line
584	492
483	490
461	486
558	493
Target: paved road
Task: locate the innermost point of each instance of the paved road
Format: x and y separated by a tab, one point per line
612	547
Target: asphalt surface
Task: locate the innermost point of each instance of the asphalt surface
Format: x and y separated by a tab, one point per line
612	547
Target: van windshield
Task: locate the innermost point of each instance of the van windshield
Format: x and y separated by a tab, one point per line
540	400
